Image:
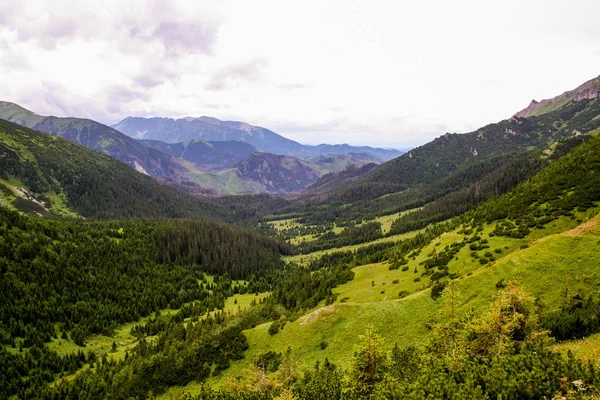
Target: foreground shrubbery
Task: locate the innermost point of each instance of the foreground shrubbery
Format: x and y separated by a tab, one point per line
501	354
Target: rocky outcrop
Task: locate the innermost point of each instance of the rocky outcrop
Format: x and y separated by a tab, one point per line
589	90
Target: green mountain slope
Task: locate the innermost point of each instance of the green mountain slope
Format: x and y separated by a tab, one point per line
42	173
451	152
87	278
96	136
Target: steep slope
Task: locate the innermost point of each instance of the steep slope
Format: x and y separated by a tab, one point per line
98	137
204	153
450	152
40	173
84	278
334	180
208	129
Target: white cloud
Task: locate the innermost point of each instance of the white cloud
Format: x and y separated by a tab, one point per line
378	72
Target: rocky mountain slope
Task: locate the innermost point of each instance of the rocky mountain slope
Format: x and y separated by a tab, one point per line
588	91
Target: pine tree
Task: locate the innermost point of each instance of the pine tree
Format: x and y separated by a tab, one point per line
369	364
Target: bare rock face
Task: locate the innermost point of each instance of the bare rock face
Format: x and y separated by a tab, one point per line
589	90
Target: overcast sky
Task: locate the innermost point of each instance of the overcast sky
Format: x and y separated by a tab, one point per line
386	73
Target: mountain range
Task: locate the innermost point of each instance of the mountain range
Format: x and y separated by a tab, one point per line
208	145
211	129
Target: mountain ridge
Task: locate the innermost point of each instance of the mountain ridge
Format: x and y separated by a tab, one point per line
587	91
96	136
42	173
171	130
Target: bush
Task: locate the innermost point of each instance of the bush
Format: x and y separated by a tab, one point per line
269	361
275	327
437	289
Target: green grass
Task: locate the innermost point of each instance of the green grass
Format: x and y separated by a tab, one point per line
544	269
101	344
296	240
387	220
587	349
284	224
239	302
551	106
305	259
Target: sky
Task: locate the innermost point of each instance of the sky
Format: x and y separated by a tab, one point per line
382	73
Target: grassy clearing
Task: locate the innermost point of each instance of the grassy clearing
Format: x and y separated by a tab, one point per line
305	259
290	228
284	224
239	302
387	220
102	345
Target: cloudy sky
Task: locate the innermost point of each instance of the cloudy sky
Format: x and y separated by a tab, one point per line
387	73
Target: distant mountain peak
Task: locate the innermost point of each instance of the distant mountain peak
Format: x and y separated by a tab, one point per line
587	91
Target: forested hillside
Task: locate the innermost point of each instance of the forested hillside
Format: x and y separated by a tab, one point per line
96	136
77	279
40	173
470	263
469	355
452	153
449	175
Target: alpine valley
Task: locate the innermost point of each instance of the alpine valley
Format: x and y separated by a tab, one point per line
196	258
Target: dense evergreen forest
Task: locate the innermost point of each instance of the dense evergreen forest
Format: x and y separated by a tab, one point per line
76	279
